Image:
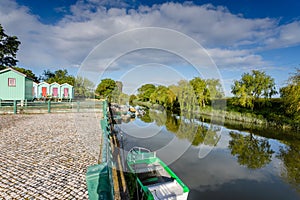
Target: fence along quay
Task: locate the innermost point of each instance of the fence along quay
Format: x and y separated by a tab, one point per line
104	181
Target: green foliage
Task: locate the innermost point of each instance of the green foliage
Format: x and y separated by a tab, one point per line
9	46
145	91
250	151
27	72
131	99
186	96
291	96
214	88
163	96
201	91
291	159
59	76
83	88
105	88
251	87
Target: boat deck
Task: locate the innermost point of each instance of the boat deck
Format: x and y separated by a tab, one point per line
158	181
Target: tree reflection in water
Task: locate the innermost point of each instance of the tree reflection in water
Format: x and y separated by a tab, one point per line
252	152
186	127
290	155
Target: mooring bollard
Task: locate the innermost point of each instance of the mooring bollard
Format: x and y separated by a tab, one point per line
15	107
49	106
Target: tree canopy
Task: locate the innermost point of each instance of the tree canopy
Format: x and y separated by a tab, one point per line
9	46
59	76
291	95
105	88
145	91
83	88
251	87
27	72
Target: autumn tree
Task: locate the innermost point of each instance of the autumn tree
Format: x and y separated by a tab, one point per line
251	87
9	46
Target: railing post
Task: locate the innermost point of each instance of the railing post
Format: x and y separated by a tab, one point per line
49	106
78	106
15	107
0	103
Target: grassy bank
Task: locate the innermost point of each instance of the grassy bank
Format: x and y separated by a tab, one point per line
270	115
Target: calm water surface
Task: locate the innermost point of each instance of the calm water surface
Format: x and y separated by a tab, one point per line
217	162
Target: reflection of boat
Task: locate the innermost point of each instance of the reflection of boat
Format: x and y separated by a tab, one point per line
155	178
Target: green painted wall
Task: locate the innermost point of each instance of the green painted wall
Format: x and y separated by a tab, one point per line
28	89
12	92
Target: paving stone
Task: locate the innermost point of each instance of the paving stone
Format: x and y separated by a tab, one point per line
45	156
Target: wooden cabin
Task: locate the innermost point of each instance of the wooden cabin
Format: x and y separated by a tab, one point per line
15	85
43	90
35	90
55	90
66	91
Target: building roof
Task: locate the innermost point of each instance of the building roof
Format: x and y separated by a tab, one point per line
11	69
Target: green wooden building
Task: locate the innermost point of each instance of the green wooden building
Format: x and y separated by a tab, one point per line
15	85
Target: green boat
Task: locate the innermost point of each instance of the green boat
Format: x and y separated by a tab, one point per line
155	178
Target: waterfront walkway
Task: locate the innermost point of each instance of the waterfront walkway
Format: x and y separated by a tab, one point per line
45	156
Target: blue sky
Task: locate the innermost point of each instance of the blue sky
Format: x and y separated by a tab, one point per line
239	36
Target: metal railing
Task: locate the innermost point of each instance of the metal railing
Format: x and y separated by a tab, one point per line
15	107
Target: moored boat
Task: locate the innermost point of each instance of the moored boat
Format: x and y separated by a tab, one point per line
155	178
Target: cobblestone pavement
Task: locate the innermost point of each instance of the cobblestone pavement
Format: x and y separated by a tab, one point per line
45	156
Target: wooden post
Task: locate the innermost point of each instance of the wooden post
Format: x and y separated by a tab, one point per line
78	106
49	106
15	107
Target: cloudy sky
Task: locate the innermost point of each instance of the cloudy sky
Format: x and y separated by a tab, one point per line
238	36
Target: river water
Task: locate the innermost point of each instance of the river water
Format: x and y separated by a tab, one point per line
217	162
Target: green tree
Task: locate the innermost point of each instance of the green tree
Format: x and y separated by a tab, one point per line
186	96
27	72
250	151
251	87
163	96
61	76
201	90
291	95
105	88
145	91
9	46
214	88
83	88
131	99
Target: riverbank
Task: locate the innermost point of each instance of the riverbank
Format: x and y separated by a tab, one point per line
45	156
267	118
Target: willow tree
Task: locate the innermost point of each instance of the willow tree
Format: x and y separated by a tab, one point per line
251	87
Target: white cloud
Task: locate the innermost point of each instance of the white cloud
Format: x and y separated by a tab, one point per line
230	39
